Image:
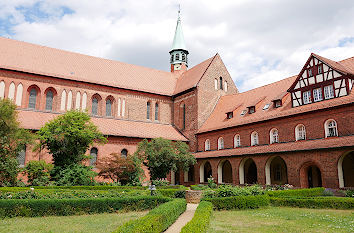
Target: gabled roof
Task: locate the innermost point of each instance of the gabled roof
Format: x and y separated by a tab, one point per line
42	60
342	67
108	126
191	77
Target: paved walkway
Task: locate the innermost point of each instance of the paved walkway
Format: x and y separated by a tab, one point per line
183	219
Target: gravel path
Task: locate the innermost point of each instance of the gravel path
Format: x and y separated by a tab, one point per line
183	219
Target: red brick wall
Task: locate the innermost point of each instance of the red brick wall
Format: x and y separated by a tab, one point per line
313	122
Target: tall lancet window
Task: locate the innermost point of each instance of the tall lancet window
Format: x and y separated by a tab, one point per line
94	106
108	107
32	98
184	116
156	112
148	106
49	101
221	84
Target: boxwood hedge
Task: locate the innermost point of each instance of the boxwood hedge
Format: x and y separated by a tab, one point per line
62	207
311	192
157	220
200	221
314	202
239	202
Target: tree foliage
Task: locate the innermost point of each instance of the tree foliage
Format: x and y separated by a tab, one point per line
162	155
38	172
68	137
12	140
124	170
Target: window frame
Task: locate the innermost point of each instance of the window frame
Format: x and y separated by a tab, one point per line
237	141
49	103
32	98
254	138
330	91
207	145
94	106
221	144
317	94
297	132
328	128
274	136
148	110
308	97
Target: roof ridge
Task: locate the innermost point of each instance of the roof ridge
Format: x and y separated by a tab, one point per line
81	54
346	59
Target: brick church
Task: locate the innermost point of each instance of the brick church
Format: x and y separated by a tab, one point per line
296	131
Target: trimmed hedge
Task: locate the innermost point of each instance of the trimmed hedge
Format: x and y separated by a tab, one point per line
118	188
157	220
240	202
199	187
312	192
200	221
62	207
172	193
314	202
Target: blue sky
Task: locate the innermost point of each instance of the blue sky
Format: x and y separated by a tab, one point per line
259	41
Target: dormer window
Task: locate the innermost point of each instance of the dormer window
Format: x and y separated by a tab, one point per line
243	112
266	106
251	109
277	103
310	72
229	115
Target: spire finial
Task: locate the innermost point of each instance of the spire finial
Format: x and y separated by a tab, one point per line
179	12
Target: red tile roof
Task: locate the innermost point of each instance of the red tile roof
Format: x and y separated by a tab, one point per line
281	147
26	57
108	126
217	119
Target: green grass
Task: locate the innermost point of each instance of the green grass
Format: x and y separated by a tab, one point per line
83	223
283	219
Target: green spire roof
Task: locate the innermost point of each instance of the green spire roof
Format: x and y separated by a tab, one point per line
178	40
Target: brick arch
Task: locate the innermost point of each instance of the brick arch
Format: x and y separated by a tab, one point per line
344	177
225	173
203	173
55	98
242	170
268	169
38	96
303	173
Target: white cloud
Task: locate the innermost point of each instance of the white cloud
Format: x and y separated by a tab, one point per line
260	41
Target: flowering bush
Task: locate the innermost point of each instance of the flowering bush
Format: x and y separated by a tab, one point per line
211	183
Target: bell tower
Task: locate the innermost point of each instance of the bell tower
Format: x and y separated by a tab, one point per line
179	52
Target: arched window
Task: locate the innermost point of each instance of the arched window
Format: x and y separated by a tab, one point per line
19	94
254	139
183	57
108	107
124	153
156	111
148	106
2	89
32	98
177	56
220	83
93	154
331	128
94	106
274	136
207	145
300	132
220	143
237	141
184	116
49	101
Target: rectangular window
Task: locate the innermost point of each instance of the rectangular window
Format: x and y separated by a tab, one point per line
251	110
230	115
317	94
328	92
310	72
319	69
306	96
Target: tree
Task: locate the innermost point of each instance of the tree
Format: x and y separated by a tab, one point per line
68	137
161	156
38	172
124	170
12	140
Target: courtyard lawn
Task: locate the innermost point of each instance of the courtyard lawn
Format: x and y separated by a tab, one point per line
82	223
283	219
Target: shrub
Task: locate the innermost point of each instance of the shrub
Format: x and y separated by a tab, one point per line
314	202
327	192
38	172
201	219
62	207
76	174
180	194
157	220
199	187
349	193
209	193
231	191
240	202
211	183
160	182
312	192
